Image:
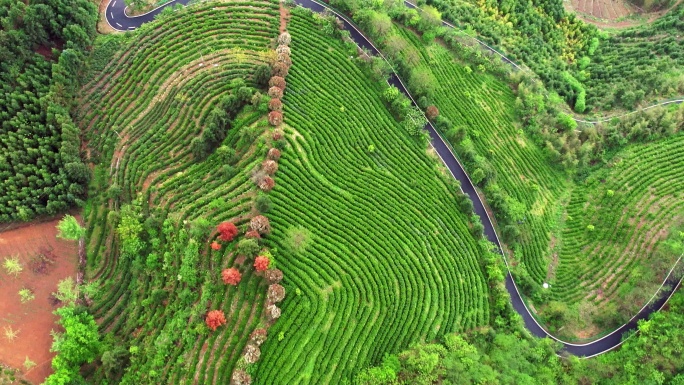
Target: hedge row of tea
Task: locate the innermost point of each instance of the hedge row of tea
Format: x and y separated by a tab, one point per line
600	255
154	205
388	259
619	227
519	182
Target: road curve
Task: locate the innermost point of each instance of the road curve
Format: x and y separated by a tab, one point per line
118	19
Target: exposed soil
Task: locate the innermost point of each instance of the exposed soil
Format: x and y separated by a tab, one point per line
284	17
613	13
33	320
45	51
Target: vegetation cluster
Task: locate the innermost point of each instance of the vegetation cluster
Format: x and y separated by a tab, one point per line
42	52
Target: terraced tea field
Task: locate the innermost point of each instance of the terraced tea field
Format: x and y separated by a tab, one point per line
615	224
596	243
485	107
390	259
153	204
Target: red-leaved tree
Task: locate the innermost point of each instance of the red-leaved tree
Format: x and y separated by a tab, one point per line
277	81
275	118
215	245
227	231
275	92
275	105
253	234
215	318
269	166
281	69
261	263
231	276
431	112
274	153
267	183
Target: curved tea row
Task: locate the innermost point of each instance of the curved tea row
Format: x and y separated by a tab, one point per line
590	349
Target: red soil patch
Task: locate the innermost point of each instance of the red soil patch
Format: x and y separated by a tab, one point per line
284	17
33	320
45	51
605	13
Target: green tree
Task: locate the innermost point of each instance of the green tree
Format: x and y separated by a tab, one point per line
70	229
247	247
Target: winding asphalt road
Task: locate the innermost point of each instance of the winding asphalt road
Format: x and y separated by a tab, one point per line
117	19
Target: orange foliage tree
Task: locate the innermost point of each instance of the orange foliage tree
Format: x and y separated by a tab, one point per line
261	263
227	231
215	318
231	276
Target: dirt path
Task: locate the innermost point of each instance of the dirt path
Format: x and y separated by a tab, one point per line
32	321
284	17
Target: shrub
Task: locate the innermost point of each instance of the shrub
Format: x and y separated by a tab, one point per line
70	229
261	224
269	166
215	246
215	318
277	135
297	239
12	266
252	234
247	247
431	112
275	118
231	276
263	203
262	75
261	263
26	295
227	231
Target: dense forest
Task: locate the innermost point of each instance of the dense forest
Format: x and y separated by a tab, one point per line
42	48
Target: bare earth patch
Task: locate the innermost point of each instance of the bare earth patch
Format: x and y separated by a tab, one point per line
32	321
613	13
